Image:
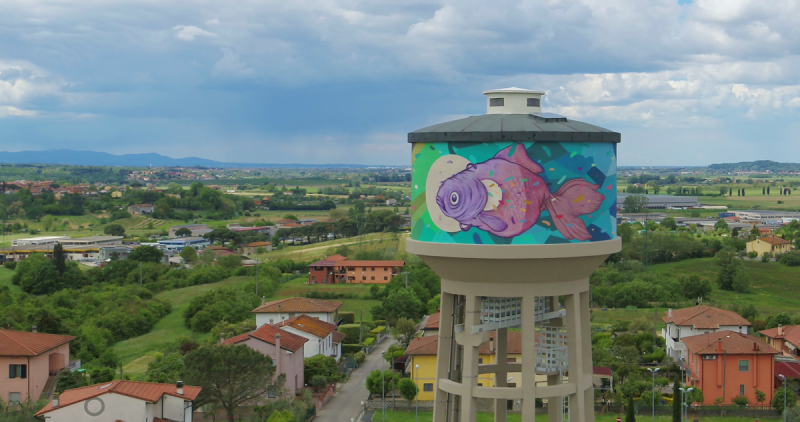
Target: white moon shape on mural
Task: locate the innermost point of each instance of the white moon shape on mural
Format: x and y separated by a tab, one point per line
441	170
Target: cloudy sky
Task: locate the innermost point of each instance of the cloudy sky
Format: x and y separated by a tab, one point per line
344	81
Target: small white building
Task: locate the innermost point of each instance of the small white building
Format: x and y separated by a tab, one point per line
696	320
323	339
123	401
41	240
280	310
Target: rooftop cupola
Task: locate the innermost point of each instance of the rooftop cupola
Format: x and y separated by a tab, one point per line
513	101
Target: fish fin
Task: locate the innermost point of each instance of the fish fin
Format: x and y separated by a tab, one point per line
520	156
575	198
494	223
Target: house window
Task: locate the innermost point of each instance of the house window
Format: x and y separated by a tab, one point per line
373	268
427	386
384	279
496	102
364	278
314	278
480	360
14	398
512	384
18	371
741	389
744	365
372	278
709	357
533	102
480	384
512	360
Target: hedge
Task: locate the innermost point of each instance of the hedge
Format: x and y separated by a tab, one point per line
350	348
351	333
378	330
380	322
347	317
369	342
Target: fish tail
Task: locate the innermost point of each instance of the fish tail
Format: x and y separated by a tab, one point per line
575	198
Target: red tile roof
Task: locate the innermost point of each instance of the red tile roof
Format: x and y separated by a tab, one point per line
266	333
791	333
773	240
705	317
423	346
298	305
433	321
23	343
602	370
338	337
147	391
373	263
731	343
430	345
790	370
255	244
308	324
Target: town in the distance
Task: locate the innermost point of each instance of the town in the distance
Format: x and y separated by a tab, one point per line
181	294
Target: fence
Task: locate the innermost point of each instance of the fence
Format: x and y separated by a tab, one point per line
694	411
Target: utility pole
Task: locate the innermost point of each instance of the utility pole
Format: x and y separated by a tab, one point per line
360	327
406	273
256	278
140	274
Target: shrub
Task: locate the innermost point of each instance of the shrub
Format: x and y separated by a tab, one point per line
348	317
766	256
752	255
369	342
10	265
379	322
351	333
741	401
350	348
378	330
318	381
791	259
360	357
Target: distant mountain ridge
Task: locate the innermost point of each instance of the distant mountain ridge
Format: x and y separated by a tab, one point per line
93	158
756	166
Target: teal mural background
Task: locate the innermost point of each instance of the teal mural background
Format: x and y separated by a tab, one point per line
561	161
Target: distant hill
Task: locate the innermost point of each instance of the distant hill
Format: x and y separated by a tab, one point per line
757	166
93	158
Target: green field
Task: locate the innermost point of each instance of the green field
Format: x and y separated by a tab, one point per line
410	416
5	279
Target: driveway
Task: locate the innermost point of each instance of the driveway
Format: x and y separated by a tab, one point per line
347	402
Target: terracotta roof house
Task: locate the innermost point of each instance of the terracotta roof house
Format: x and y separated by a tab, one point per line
770	244
33	361
285	349
790	370
696	320
123	401
431	327
252	248
728	364
320	335
140	209
785	339
279	310
337	269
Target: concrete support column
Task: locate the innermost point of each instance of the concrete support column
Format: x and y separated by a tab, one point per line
445	352
469	373
586	355
575	349
554	404
529	358
501	376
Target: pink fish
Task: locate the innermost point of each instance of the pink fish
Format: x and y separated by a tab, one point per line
483	196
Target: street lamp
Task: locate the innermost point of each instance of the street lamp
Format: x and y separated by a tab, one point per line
383	387
783	377
653	371
683	401
417	399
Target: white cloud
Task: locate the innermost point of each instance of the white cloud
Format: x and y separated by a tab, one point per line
189	33
212	22
232	66
22	82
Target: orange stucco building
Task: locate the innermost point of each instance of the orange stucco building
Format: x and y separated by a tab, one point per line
726	364
337	269
30	362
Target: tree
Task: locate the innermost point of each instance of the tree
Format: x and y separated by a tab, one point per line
721	225
754	233
693	287
676	401
393	352
400	303
630	414
319	365
59	259
741	401
761	397
374	385
233	376
406	330
183	231
408	389
731	272
433	304
777	401
47	222
114	230
781	319
635	204
669	223
165	368
146	254
189	254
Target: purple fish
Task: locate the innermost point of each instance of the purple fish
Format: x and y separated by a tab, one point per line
505	196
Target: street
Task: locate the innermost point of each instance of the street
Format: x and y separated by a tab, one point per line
347	403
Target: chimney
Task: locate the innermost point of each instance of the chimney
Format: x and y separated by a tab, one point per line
670	312
179	387
513	101
55	399
263	300
222	338
34	329
278	353
755	346
780	330
719	346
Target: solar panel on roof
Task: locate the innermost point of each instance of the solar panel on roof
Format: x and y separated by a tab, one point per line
550	117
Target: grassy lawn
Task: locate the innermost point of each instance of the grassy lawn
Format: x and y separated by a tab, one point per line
774	286
5	279
405	416
606	317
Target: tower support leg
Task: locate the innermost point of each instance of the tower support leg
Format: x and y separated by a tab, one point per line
529	358
554	404
445	352
501	376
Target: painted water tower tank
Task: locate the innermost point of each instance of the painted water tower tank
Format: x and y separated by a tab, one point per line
515	175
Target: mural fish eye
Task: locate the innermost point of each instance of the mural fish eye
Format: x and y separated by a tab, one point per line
507	194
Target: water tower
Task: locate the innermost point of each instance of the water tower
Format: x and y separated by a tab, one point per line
514	209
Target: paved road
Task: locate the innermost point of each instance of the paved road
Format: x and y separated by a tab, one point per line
347	403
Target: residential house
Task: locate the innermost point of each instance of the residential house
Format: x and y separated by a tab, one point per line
283	223
191	227
116	194
266	230
391	202
323	339
285	349
728	364
696	320
771	244
431	327
279	310
140	209
123	401
33	361
337	269
790	370
785	339
252	248
422	351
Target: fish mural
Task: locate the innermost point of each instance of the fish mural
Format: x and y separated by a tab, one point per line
505	196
